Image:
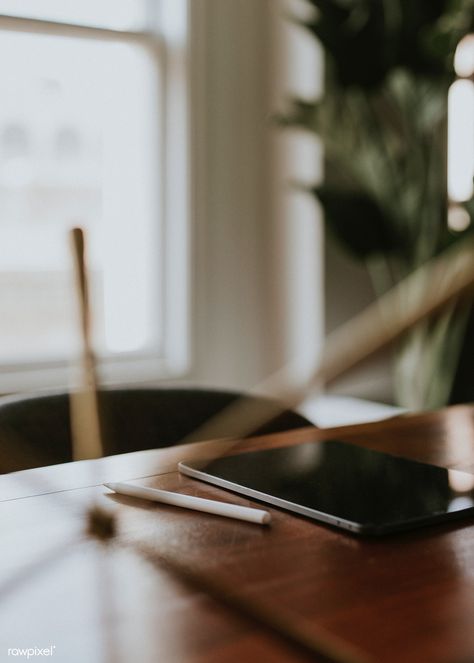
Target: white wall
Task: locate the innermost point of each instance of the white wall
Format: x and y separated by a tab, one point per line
256	243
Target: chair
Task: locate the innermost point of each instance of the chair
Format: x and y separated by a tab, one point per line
35	430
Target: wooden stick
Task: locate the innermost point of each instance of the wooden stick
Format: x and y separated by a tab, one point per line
433	286
85	421
426	291
311	640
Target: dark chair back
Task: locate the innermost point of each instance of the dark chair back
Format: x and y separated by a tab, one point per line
35	430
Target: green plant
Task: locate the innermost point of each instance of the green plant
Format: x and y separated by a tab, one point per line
382	120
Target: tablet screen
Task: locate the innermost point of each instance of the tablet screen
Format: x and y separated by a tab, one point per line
345	485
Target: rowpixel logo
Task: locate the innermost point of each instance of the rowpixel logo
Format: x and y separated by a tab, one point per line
31	652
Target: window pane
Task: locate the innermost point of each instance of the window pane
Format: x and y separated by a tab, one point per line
78	146
116	14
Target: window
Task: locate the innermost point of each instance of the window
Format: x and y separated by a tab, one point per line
461	136
84	140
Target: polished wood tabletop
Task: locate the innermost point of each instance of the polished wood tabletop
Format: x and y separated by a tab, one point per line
406	597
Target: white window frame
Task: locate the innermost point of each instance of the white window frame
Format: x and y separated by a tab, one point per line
166	39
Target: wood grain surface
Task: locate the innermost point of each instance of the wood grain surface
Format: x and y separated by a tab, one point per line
403	598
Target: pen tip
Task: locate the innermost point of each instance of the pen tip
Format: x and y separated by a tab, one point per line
108	485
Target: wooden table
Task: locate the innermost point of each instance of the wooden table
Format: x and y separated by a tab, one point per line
404	598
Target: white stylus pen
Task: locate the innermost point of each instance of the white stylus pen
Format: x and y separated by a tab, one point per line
190	502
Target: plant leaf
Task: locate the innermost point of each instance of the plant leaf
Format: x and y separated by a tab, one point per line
359	223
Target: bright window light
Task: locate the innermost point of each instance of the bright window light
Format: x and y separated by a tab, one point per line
461	140
464	57
79	145
115	14
458	218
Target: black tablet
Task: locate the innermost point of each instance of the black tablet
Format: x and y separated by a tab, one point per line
364	491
